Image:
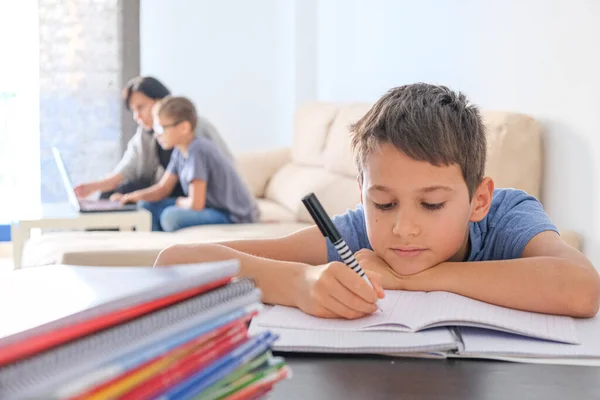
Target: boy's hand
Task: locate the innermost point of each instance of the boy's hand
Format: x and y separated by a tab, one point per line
116	196
369	261
130	198
335	291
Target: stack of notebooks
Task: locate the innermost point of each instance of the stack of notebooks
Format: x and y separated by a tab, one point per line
133	333
439	324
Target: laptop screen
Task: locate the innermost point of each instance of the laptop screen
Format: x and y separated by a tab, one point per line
66	179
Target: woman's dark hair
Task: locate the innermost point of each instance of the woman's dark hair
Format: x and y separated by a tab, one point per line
145	85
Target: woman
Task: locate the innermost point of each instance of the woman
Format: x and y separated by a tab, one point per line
144	161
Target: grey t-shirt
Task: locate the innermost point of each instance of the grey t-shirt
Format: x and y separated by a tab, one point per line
141	162
513	220
225	189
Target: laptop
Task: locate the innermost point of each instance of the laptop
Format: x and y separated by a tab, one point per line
84	205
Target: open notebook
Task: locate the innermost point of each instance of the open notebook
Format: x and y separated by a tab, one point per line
439	324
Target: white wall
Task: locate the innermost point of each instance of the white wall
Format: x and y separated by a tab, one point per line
538	57
233	58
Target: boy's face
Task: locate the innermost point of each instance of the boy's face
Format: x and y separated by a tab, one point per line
417	214
169	132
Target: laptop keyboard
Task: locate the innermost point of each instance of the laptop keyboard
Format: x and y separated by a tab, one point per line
99	205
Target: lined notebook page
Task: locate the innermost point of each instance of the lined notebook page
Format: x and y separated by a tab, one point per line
411	311
291	317
443	308
439	340
479	341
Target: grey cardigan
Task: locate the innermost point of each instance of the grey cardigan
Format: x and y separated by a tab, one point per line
140	161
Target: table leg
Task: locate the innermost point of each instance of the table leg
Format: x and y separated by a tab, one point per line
144	224
19	235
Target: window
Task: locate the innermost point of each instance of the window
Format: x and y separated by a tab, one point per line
19	111
80	66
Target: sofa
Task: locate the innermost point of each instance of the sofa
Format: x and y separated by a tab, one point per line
319	160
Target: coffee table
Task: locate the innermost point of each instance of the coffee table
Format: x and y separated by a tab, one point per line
340	377
64	216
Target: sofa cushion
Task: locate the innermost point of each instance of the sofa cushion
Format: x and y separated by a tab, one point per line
311	127
338	152
336	192
514	151
50	248
271	212
257	167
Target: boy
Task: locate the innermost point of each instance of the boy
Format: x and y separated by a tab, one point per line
214	191
429	220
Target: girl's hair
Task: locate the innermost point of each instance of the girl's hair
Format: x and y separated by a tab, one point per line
179	109
146	85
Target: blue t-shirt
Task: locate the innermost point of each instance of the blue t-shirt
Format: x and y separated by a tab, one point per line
225	189
513	220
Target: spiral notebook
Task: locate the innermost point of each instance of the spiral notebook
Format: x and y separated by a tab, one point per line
36	301
439	324
41	374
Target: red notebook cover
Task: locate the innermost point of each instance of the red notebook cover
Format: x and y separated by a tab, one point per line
35	344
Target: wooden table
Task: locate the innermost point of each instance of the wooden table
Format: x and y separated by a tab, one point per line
340	377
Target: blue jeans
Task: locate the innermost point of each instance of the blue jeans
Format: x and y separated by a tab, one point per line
169	218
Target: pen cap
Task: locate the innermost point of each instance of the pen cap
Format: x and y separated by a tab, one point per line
314	215
317	212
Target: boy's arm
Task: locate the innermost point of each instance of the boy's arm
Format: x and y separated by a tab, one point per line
291	270
551	277
197	198
306	246
155	192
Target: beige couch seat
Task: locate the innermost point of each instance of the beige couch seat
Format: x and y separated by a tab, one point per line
53	248
319	161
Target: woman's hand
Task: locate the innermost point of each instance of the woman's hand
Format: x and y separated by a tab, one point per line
85	189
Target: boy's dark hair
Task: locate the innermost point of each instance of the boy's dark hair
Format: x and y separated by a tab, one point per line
145	85
179	109
428	123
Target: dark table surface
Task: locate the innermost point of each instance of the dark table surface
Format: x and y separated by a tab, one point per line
318	377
